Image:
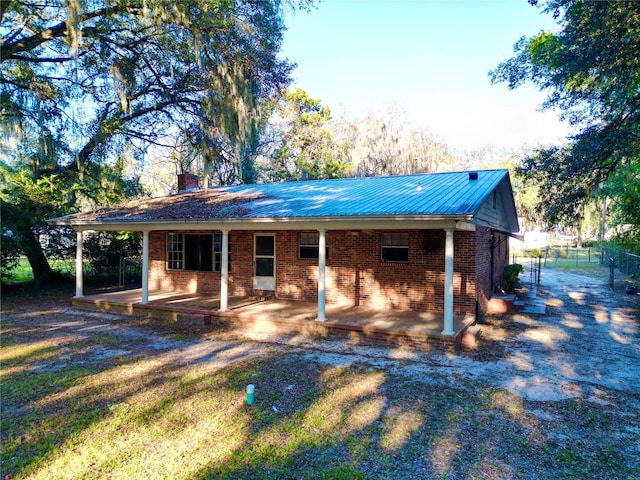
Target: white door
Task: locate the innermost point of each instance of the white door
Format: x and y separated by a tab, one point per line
264	261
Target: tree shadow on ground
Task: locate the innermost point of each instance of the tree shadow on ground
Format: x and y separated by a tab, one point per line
72	411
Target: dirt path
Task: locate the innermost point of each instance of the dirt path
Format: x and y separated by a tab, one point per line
587	342
588	339
572	377
587	345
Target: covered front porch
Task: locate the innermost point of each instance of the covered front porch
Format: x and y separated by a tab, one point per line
268	315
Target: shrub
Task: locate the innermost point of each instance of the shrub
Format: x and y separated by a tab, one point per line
535	252
510	276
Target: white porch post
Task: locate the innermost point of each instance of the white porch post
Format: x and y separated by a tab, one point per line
79	281
448	282
224	273
145	267
322	263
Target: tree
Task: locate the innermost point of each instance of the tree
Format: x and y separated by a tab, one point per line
303	147
83	82
390	145
590	69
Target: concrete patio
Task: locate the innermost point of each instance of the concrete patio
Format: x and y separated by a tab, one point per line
272	315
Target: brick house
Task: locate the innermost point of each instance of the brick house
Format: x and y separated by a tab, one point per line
430	242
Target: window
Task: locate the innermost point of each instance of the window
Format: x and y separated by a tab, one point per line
195	252
308	245
217	252
395	247
175	253
198	252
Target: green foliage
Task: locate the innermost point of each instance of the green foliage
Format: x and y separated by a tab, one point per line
9	253
105	250
589	69
306	148
86	87
624	187
510	276
122	74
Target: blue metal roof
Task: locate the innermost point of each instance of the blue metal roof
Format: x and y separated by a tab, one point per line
454	194
427	194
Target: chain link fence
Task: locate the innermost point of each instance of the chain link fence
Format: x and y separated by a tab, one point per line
625	263
126	271
619	267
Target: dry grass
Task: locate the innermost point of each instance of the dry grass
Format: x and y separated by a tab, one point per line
80	403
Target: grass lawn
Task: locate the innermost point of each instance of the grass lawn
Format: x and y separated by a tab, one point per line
22	272
81	402
142	418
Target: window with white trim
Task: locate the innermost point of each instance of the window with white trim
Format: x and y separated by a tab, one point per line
217	252
308	245
195	252
175	251
395	247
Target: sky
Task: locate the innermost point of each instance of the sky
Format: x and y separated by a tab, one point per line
428	58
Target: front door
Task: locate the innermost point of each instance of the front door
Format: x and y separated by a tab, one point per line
264	260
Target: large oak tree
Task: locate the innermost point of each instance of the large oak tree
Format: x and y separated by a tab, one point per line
84	82
591	68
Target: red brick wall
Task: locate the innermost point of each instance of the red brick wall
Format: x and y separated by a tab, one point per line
483	271
355	271
162	279
483	262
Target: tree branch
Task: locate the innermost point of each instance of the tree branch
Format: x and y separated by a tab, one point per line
22	58
9	51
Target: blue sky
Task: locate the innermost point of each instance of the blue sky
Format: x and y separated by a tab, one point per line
430	58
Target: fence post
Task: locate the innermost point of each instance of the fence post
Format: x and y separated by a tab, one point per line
539	264
612	267
120	272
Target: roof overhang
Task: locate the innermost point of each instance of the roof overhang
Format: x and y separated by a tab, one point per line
416	222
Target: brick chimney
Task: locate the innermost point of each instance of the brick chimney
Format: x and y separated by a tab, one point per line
187	182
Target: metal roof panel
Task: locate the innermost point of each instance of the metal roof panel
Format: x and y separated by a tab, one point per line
435	194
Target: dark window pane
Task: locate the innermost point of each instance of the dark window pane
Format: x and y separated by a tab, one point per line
174	254
191	252
264	267
395	239
198	252
390	254
206	253
264	245
217	266
308	252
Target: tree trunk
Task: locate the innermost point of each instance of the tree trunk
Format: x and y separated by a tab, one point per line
38	261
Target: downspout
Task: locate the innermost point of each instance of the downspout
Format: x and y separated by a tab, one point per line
491	267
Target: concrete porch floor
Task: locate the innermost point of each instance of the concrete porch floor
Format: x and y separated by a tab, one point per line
287	316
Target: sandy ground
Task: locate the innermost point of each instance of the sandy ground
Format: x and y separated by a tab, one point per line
587	345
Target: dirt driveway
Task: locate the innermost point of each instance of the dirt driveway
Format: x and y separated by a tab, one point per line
588	340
